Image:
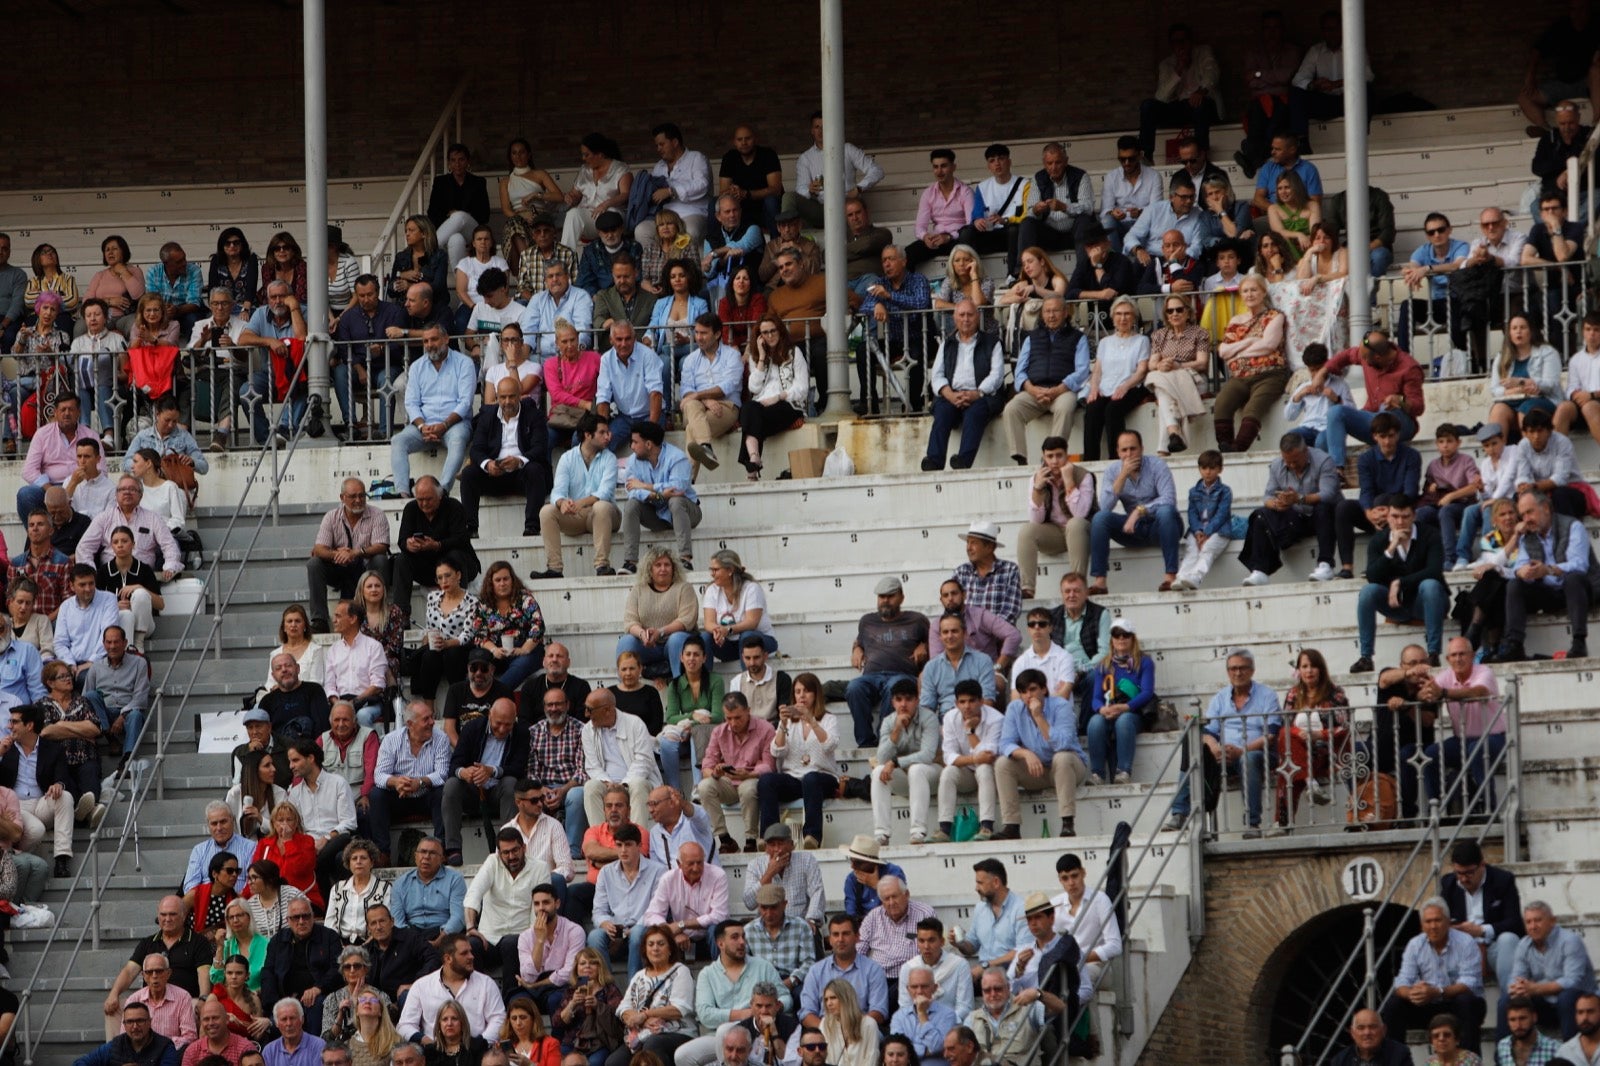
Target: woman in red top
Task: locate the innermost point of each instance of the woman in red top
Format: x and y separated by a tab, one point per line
741	308
295	852
572	377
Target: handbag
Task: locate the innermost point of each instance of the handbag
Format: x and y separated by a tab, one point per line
8	875
966	825
565	415
179	469
1373	804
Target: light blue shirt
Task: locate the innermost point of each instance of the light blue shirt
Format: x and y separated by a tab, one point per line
660	315
180	441
80	632
939	679
1152	487
577	481
995	934
627	386
617	901
1576	561
262	324
926	1036
1020	731
694	827
1236	726
1439	284
1564	960
395	758
308	1053
1459	963
1199	229
725	373
436	904
20	666
715	996
433	393
576	306
1074	382
200	856
669	471
865	976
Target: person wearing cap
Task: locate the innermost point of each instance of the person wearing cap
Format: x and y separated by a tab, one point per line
471	698
1497	470
259	737
1237	721
560	301
910	739
845	962
1143	486
1039	919
968	372
808	194
992	583
600	255
1393	383
1301	498
1102	273
788	236
783	939
795	874
735	758
532	267
867	868
956	662
999	204
1039	748
890	644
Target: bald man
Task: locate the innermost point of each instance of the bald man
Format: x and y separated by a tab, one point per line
510	456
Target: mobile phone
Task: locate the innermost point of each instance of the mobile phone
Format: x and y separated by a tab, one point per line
583	982
727	769
507	1045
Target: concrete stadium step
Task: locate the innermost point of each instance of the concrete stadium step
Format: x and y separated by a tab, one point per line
1562	782
1569	885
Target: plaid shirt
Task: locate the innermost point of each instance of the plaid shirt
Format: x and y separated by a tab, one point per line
1544	1049
50	576
555	759
791	954
1000	592
530	278
186	290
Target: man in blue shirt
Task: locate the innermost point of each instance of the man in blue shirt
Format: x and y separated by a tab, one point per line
1178	212
360	357
1143	486
1285	156
864	975
711	389
1551	968
1555	570
560	300
179	284
431	898
660	495
439	392
1432	263
581	500
271	327
629	388
1237	721
1391	468
1038	748
1441	972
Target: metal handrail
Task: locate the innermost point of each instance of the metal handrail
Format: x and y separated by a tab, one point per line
159	729
391	236
1505	808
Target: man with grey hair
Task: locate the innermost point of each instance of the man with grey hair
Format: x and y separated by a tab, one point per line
153	543
968	370
336	1053
223	835
413	764
407	1054
1235	741
302	961
273	326
1555	569
1004	1024
351	538
1552	968
923	1018
1441	972
631	386
294	1046
440	388
560	299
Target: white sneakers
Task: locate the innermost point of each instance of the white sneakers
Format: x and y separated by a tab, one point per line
1183	584
1461	564
1323	572
1257	578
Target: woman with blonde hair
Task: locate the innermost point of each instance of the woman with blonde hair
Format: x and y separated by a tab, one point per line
420	260
964	276
293	850
661	612
375	1036
1252	350
1122	688
1180	358
453	1041
852	1035
733	608
583	1016
1037	278
1116	382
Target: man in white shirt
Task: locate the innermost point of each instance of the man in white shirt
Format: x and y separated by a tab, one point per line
1186	92
508	456
327	809
808	194
92	491
1583	383
1088	915
499	904
458	981
617	750
1317	91
355	665
494	309
1044	655
968	370
688	185
999	204
970	740
1127	191
711	390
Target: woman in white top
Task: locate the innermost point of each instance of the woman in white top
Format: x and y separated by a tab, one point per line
852	1035
163	497
780	387
294	638
256	794
805	753
452	613
1527	377
1088	915
470	268
1116	385
525	192
349	899
603	183
518	359
733	607
657	1007
343	269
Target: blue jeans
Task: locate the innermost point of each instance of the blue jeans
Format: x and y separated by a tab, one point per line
671	654
1431	602
29	498
131	729
254	393
728	650
672	760
1449	753
521	667
1472	526
868	699
946	416
1346	421
1447	518
1160	525
378	411
622	429
1125	729
1255	776
574	820
408	440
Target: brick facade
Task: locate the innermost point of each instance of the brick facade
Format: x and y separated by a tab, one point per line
162	96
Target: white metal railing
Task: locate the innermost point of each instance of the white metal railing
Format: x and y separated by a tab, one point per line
413	198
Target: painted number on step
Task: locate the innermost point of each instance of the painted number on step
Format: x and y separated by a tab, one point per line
1563	826
1114	803
1018	860
1362	878
949	863
1003	483
1039	808
1323	599
1537	881
1180	608
1552	727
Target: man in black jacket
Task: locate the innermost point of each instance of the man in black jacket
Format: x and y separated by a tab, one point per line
509	455
1485	905
36	769
136	1045
1405	580
433	527
303	957
486	777
399	956
1370	1043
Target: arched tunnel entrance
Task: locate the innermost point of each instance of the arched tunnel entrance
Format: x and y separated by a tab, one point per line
1300	972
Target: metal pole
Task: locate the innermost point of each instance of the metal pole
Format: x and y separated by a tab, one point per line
1358	287
836	404
316	118
1367	932
1197	825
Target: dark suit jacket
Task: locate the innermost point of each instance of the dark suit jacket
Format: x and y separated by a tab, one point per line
1502	906
1122	274
448	526
51	768
469	749
408	957
323	959
531	437
1424	560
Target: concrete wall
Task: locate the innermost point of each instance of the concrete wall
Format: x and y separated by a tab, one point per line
142	93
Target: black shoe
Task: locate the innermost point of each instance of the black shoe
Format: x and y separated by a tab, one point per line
1362	665
545	575
1511	651
930	464
453	859
728	845
751	846
472	532
629	567
1007	832
687	562
1245	165
1020	460
605	571
1067	828
63	866
1433	659
320	625
530	531
282	435
1345	574
960	463
1579	650
1175	444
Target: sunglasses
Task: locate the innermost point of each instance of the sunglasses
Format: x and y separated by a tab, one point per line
1436	231
1038	625
813	1047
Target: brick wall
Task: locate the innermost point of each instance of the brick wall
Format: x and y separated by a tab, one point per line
170	97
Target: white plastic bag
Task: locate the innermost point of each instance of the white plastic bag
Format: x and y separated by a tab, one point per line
838	463
32	916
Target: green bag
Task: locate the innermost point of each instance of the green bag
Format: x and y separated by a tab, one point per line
966	825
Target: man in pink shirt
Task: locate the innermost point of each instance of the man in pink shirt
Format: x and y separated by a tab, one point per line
52	455
690	899
171	1008
944	208
736	757
1471	694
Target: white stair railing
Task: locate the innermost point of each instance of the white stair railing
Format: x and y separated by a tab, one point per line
413	198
